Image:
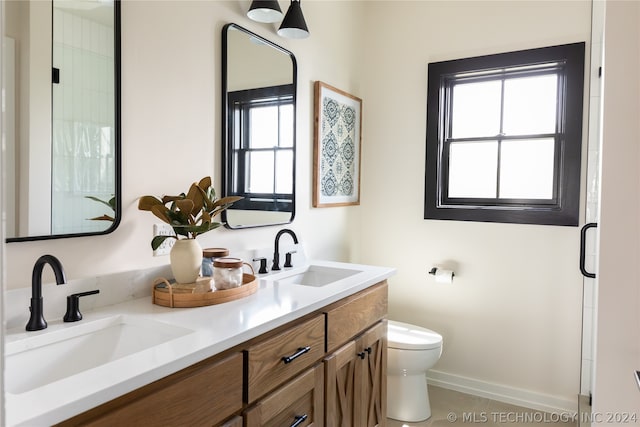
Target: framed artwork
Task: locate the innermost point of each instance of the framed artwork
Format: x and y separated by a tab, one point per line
336	146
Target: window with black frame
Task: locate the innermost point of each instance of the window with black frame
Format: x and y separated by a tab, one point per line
262	153
504	137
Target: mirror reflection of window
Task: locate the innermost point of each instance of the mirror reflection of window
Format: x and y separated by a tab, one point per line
262	152
270	149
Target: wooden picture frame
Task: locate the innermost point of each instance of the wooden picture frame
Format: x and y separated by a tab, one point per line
337	147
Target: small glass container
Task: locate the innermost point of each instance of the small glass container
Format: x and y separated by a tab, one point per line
208	255
227	273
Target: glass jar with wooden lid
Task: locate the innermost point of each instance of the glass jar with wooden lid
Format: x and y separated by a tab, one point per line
227	273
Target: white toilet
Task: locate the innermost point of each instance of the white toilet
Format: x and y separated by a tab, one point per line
411	351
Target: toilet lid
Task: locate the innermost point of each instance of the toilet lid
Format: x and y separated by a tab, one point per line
411	337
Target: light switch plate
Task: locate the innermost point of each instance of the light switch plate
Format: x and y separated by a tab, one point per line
163	230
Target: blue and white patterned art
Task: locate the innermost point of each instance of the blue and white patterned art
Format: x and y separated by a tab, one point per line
338	153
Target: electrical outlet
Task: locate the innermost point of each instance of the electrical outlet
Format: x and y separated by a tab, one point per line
163	230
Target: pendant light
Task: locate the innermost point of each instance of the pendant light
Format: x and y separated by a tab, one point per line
266	11
293	25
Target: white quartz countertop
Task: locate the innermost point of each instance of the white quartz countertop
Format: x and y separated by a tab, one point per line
210	330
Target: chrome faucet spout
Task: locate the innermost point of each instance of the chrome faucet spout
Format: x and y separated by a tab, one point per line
36	320
276	253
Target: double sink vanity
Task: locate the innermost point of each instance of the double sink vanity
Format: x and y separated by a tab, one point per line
308	346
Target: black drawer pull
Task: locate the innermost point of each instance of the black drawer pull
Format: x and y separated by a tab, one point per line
362	355
294	356
299	419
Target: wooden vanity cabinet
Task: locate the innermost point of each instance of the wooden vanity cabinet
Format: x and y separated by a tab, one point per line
204	394
277	359
355	378
300	402
371	377
347	389
335	375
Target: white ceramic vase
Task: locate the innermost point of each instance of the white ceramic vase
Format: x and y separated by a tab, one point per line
186	259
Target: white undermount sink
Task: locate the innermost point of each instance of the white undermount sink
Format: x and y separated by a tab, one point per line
316	275
45	358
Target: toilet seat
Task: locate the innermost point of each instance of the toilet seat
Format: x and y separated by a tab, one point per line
405	336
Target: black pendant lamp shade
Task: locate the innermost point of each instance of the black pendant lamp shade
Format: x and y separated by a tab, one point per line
266	11
293	25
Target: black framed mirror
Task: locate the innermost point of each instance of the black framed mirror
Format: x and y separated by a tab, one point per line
63	139
258	129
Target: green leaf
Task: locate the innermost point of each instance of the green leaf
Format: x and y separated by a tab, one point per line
96	199
158	240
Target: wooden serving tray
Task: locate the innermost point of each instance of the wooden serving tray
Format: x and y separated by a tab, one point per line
178	295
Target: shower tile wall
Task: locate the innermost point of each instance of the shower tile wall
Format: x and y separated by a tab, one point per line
83	125
593	195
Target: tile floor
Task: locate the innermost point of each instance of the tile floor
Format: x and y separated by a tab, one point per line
451	408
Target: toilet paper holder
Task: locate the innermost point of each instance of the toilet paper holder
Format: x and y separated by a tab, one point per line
434	269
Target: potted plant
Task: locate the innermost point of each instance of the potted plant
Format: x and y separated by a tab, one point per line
189	215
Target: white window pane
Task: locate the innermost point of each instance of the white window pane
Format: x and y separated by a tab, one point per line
286	126
264	127
476	109
260	169
526	169
473	169
530	105
284	171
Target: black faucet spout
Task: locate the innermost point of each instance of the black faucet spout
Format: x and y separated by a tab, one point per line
276	253
36	320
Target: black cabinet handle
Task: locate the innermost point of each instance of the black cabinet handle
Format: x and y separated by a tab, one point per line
299	419
368	350
362	355
583	244
294	356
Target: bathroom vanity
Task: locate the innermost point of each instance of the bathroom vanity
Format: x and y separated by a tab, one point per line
290	354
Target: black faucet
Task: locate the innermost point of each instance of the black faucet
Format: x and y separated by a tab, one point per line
276	254
36	321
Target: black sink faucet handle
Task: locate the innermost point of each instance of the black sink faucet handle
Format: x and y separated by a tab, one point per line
263	265
287	259
73	306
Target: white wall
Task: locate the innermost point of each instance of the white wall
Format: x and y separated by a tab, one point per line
512	317
171	129
2	229
618	318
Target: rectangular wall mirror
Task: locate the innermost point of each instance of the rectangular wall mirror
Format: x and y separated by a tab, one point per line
258	129
62	61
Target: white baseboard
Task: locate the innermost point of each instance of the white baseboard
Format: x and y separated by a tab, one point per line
501	393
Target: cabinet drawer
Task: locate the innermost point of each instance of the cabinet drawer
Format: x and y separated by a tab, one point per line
203	395
348	319
267	368
300	402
